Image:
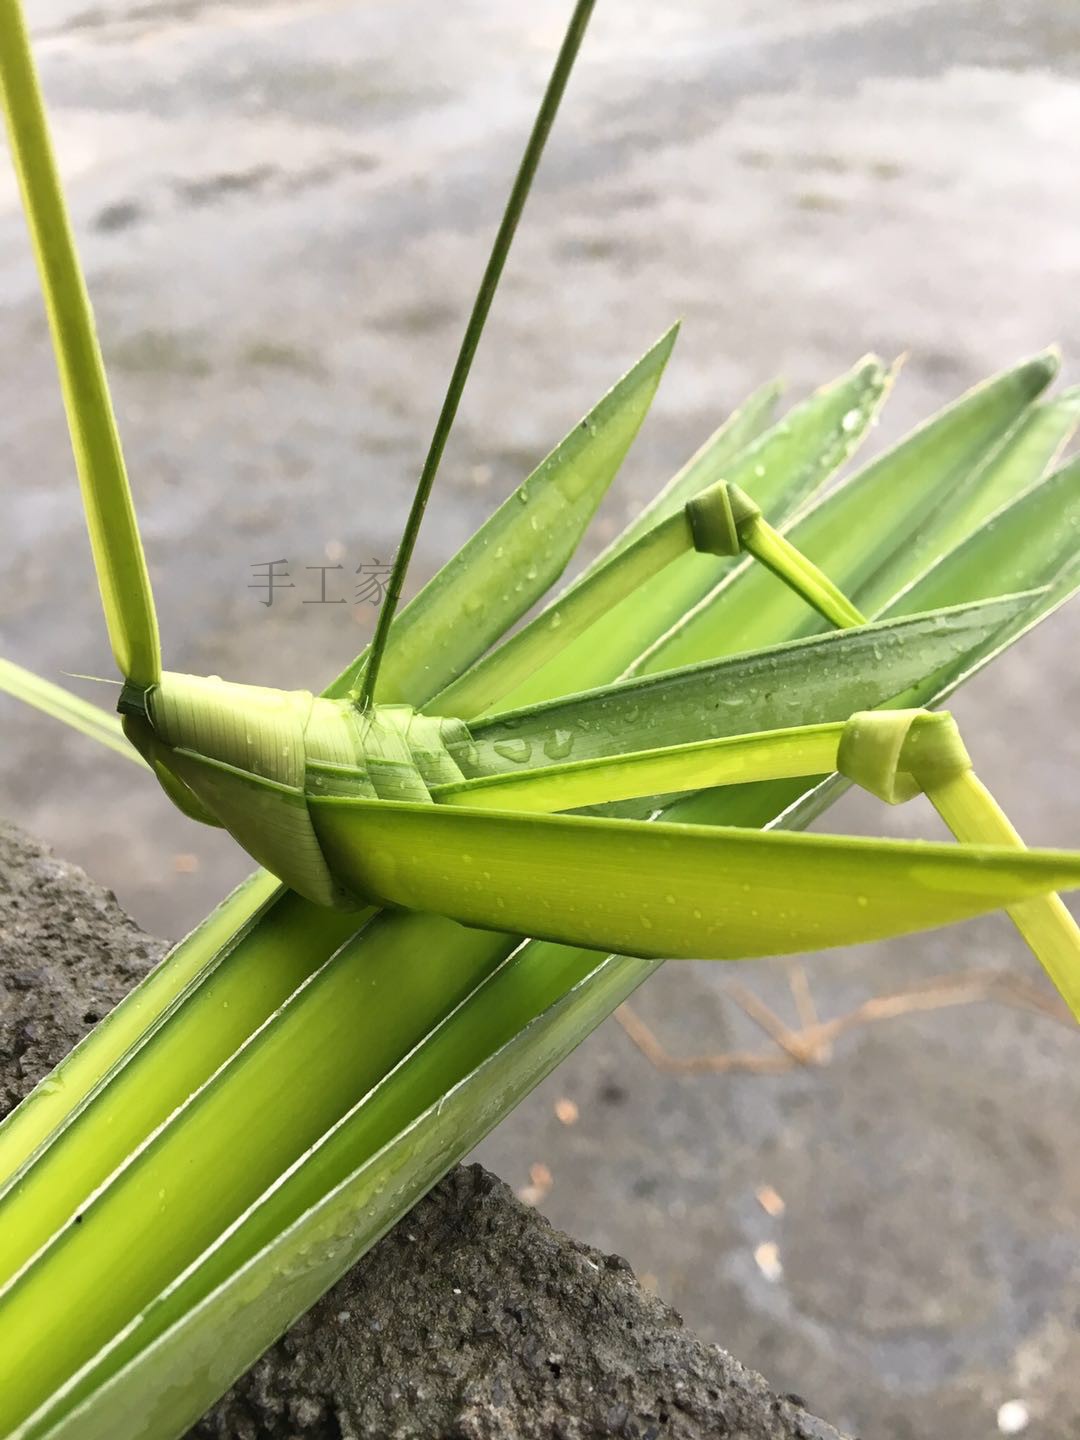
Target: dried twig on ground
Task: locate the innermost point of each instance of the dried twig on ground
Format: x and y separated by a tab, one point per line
812	1042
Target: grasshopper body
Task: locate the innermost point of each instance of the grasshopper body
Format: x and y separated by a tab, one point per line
439	792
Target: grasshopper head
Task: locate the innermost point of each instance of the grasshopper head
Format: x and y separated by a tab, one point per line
251	728
236	756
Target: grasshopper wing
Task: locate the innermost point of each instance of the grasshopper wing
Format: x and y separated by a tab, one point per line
663	889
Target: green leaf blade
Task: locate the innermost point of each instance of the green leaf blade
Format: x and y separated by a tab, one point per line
850	532
666	890
783	466
1015	467
818	679
122	1250
519	552
509	667
54	700
730	760
230	1002
110	515
223	1313
1028	543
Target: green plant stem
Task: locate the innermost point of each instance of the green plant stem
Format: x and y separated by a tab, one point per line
732	760
799	574
888	515
974	816
519	193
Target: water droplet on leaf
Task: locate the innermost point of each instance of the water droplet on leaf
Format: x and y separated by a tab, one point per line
516	750
558	745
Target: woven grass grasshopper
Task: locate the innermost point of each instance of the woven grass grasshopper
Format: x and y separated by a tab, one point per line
275	1094
443	792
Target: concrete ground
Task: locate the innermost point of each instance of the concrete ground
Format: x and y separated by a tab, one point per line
283	208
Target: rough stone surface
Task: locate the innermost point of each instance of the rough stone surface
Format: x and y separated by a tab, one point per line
68	954
473	1319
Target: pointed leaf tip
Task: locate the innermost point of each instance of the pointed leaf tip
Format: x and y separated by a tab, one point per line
1046	362
502	570
661	350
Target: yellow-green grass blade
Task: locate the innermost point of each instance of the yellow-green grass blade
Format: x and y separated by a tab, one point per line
223	1002
669	890
518	553
733	760
110	515
970	811
1019	462
284	1087
510	666
1035	536
58	1097
779	471
387	1151
850	531
1028	541
814	680
82	715
1061	588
